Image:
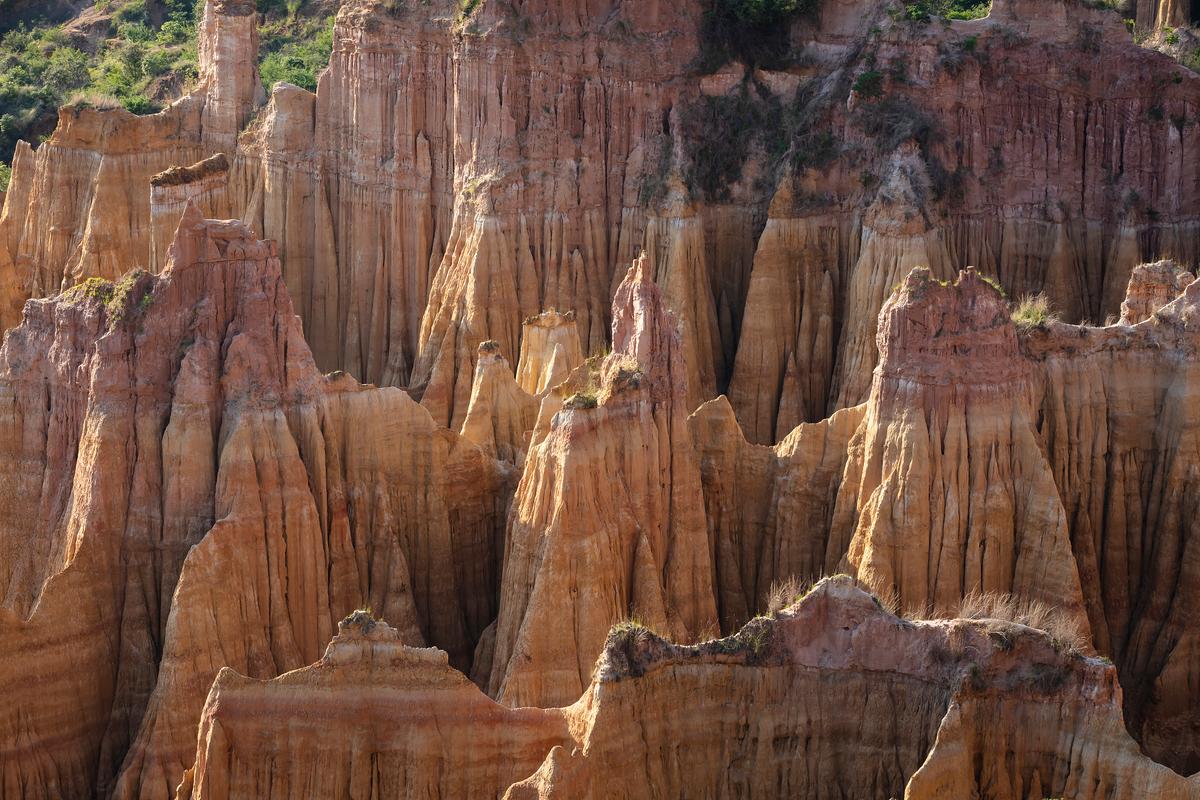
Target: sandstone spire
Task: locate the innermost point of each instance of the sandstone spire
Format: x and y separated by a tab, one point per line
611	491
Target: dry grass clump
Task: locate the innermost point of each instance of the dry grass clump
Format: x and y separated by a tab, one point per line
784	593
1034	311
1062	628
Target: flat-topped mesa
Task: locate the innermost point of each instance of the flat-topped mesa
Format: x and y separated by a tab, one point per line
1152	286
935	333
608	520
203	183
947	490
373	714
501	414
550	350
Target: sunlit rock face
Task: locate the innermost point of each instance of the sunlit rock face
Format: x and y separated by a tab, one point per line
476	425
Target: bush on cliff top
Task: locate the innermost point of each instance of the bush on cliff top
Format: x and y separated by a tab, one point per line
754	32
925	10
145	57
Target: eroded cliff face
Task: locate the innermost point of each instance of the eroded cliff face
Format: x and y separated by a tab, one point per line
189	492
1117	421
776	709
189	504
457	173
608	520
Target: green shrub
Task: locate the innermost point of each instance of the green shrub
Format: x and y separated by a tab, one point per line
139	104
67	70
925	10
298	61
156	62
869	84
134	11
5	176
173	31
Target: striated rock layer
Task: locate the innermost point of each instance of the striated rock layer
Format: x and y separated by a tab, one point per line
189	493
607	521
947	490
985	709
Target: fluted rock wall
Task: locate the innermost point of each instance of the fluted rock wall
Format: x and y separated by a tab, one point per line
777	709
210	499
1118	422
608	520
947	490
185	491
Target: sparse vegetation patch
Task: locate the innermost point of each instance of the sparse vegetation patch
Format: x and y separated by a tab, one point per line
1034	311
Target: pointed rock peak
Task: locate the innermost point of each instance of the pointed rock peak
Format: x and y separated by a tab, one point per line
646	331
188	244
1152	286
207	240
941	332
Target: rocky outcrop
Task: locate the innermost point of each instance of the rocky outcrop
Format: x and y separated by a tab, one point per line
203	184
501	414
1117	420
80	205
549	350
777	708
244	503
1152	286
947	490
185	491
607	522
770	511
373	715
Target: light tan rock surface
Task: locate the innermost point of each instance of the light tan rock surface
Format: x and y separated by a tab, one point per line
947	490
550	350
608	520
183	491
372	717
501	415
192	493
